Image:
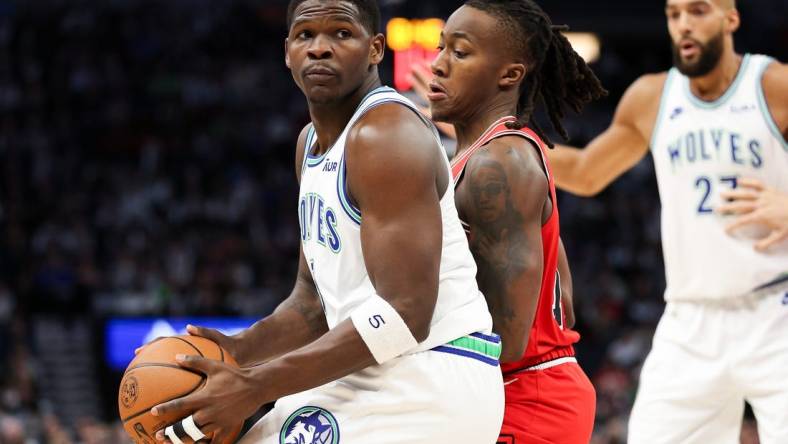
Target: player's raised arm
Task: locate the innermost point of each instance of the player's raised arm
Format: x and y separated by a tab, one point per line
588	171
509	190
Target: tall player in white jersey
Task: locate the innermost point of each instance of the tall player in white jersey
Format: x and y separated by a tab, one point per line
715	122
385	338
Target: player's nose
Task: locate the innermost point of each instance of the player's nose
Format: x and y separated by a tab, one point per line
684	24
320	48
438	67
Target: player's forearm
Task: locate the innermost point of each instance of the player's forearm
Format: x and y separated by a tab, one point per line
513	314
297	321
511	286
338	353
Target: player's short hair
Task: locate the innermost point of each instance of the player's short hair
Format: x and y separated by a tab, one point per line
369	13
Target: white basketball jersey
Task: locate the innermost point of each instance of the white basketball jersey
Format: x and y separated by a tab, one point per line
330	237
700	149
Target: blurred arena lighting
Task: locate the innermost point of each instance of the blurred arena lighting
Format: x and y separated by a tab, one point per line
413	41
586	44
123	335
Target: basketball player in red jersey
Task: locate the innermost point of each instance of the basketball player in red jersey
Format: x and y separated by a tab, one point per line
487	84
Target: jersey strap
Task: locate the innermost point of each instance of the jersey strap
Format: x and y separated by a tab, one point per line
496	130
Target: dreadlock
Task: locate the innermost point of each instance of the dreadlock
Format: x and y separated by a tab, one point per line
557	76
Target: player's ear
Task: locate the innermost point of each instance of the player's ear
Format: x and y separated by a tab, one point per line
287	55
377	49
511	75
732	20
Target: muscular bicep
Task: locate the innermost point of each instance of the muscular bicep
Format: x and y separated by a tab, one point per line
505	196
392	173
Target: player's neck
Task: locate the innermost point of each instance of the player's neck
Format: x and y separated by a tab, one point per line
470	129
331	119
714	84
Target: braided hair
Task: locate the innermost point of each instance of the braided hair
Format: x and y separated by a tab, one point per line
556	77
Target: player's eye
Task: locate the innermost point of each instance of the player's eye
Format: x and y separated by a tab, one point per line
305	35
698	10
344	34
460	54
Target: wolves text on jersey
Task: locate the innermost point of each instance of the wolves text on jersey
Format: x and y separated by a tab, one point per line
714	145
318	222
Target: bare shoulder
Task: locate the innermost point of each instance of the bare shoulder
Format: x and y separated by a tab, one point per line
775	77
517	154
516	159
391	149
645	92
300	151
639	106
775	91
391	133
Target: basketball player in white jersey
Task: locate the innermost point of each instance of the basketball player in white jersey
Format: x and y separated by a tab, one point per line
716	121
385	338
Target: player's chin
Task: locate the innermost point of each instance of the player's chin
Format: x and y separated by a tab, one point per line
441	114
321	94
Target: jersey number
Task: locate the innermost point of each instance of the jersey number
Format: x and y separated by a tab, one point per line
704	184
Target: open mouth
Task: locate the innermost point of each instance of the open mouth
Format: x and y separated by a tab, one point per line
688	48
436	93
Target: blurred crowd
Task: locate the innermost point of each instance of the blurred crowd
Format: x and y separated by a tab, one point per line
146	168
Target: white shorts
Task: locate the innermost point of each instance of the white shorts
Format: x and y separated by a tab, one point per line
428	397
705	362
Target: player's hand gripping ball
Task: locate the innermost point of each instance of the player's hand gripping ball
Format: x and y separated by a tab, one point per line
154	377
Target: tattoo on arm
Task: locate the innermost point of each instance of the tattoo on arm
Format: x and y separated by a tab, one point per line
305	303
497	241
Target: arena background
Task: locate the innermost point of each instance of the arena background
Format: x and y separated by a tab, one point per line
146	179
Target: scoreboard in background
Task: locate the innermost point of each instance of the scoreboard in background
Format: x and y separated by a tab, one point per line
123	335
413	41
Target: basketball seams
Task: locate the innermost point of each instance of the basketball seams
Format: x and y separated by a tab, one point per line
145	410
163	364
190	344
160	356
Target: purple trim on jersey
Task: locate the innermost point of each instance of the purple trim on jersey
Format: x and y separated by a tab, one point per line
466	354
494	338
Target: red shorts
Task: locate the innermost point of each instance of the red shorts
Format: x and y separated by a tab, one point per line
551	406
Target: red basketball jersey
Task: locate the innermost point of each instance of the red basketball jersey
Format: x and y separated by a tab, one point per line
549	338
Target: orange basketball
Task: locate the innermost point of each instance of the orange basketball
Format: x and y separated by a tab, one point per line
154	377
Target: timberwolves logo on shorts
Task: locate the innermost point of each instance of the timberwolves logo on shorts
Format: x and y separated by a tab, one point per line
310	425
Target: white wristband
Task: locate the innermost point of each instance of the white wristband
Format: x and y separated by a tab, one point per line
382	329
